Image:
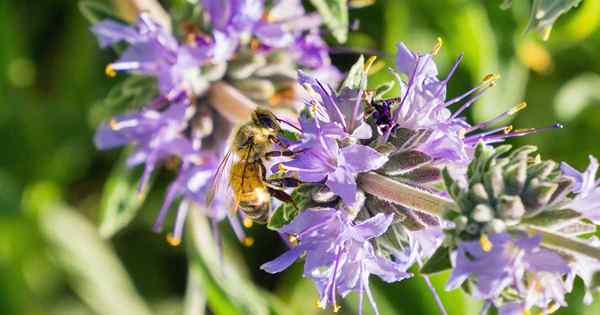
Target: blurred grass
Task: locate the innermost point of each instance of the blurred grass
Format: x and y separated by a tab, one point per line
51	73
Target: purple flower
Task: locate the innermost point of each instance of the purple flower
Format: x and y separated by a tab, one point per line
339	256
322	159
344	111
156	135
154	51
587	189
233	16
285	25
520	263
587	269
191	183
423	105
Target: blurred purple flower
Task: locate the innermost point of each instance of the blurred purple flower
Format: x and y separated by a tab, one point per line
520	263
339	256
587	189
154	51
156	135
233	15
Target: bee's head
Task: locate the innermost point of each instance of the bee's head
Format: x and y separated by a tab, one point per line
266	119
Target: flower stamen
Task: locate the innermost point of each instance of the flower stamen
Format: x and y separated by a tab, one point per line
485	243
247	222
173	240
110	71
438	45
248	241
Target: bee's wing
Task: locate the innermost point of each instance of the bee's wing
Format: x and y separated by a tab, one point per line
220	182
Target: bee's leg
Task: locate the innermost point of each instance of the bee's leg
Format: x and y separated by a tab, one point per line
246	165
283	196
285	182
278	142
286	153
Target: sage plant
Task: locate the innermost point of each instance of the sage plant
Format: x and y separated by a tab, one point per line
387	183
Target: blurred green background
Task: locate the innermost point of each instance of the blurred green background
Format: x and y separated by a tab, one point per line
52	258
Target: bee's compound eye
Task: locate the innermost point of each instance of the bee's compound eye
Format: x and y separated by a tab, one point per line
267	121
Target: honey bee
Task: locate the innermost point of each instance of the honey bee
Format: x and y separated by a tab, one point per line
246	175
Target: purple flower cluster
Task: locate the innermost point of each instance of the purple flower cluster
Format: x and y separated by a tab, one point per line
339	256
179	125
515	263
346	134
423	104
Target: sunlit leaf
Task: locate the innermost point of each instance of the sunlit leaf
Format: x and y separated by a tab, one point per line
335	16
195	298
227	288
120	198
576	95
95	272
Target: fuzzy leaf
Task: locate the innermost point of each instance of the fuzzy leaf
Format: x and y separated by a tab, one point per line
578	228
439	261
335	16
403	162
550	218
120	199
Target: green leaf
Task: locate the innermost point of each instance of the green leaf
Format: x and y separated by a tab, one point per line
439	261
356	77
545	12
94	271
95	12
285	213
120	198
228	289
335	16
130	94
290	135
382	89
576	95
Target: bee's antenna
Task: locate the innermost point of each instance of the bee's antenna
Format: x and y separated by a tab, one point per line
289	124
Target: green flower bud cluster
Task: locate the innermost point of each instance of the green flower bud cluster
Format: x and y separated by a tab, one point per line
503	189
266	79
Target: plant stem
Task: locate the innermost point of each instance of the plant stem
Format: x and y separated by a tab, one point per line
405	195
230	102
565	243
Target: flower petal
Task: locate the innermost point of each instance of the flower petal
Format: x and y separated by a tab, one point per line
371	228
284	261
361	158
343	184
